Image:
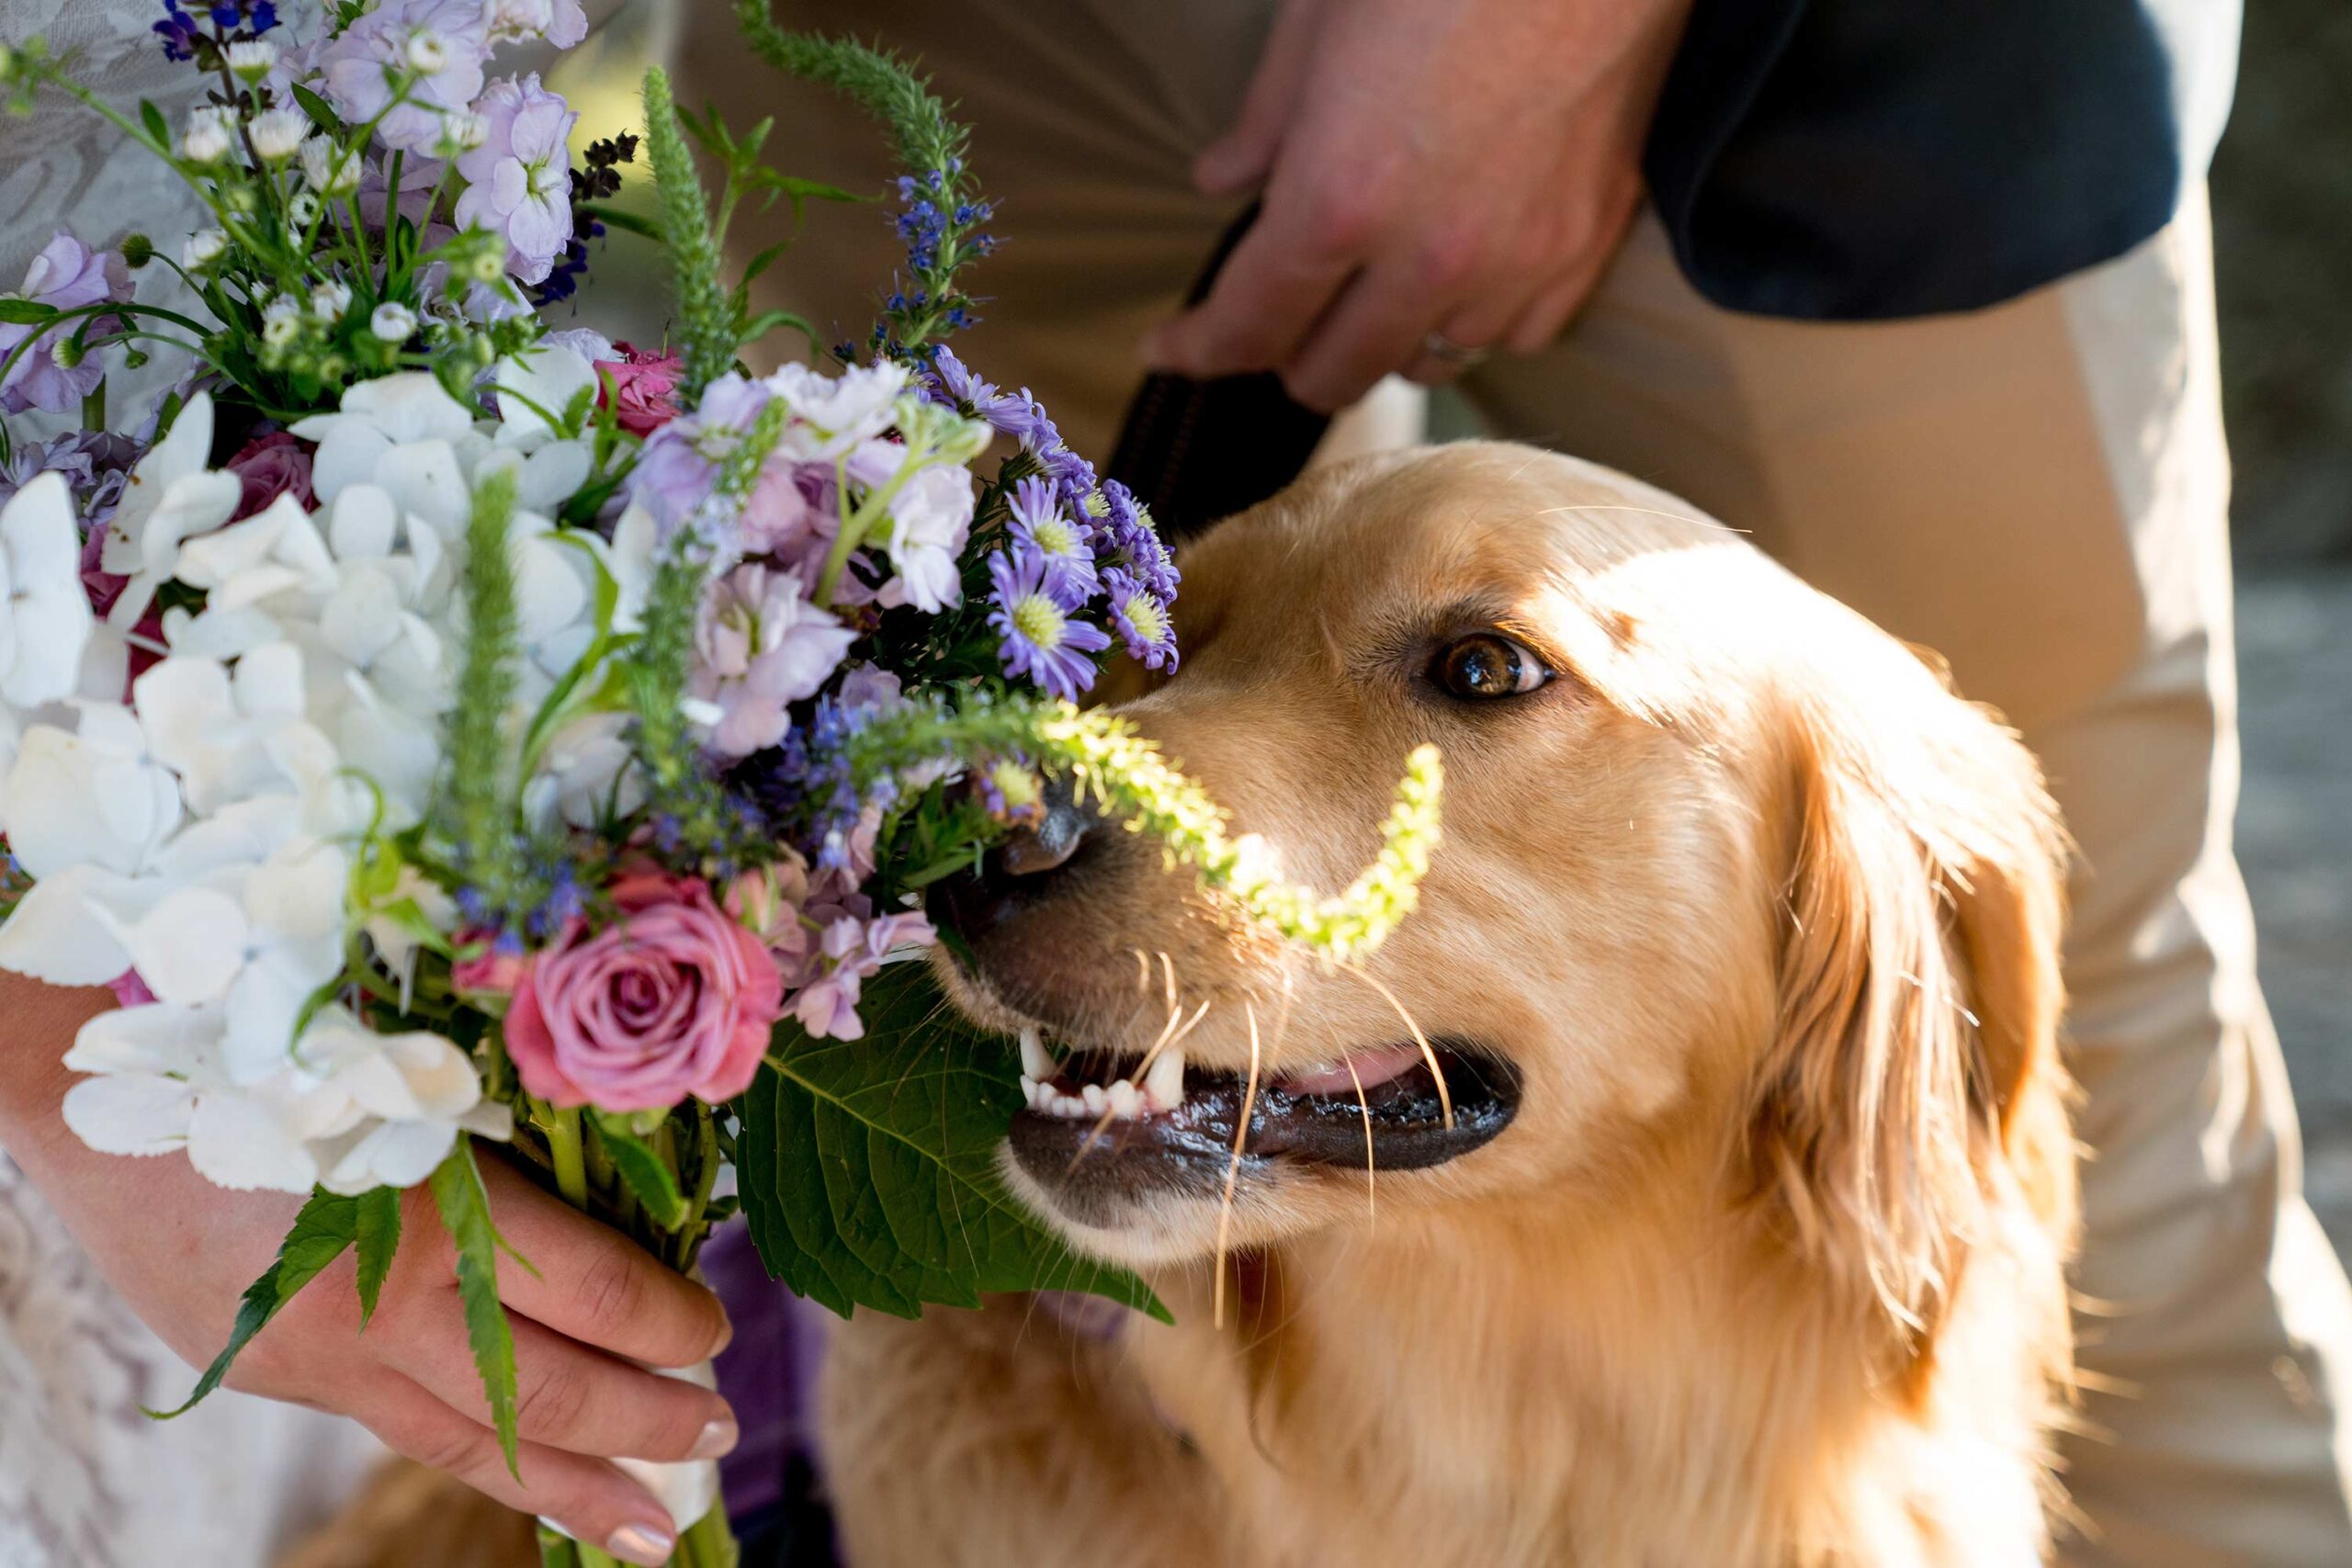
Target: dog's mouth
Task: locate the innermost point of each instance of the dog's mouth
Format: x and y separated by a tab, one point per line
1165	1122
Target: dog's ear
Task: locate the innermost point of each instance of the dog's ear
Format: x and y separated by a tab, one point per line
1918	994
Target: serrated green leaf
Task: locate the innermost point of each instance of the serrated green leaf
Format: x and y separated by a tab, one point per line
378	1237
647	1174
465	1211
327	1224
867	1167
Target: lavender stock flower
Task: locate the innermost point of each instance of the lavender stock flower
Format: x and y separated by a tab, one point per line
1043	642
361	65
518	181
68	275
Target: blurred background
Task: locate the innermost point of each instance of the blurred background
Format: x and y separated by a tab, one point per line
2283	220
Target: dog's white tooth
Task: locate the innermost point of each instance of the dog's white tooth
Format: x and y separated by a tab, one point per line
1163	1086
1034	1061
1071	1106
1125	1104
1029	1090
1095	1098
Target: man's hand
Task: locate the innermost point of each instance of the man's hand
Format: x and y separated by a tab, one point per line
1463	168
182	1251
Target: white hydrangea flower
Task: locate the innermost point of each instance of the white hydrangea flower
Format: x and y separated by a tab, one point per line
346	1108
171	497
45	616
544	381
405	433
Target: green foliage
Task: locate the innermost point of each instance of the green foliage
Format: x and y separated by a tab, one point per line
465	1211
868	1167
1133	780
929	145
378	1236
647	1173
706	318
482	788
327	1225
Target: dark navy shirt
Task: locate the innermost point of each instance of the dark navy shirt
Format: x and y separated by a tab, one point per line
1866	159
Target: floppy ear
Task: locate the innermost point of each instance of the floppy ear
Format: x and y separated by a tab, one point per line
1915	1067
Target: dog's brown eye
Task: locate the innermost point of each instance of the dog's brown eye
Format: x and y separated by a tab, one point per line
1487	665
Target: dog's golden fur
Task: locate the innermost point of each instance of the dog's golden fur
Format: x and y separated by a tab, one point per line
1769	1267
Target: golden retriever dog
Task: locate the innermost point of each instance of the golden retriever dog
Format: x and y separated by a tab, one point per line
1736	1235
1687	1182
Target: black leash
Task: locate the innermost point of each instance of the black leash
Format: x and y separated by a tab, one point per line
1198	451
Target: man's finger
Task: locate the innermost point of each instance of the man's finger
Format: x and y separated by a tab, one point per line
1241	157
568	1396
1387	321
589	1497
594	1284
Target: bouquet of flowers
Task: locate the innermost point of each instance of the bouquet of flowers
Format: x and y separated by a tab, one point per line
441	729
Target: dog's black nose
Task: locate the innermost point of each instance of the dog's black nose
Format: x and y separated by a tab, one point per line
1020	872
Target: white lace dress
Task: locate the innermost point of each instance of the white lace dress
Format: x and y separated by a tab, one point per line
85	1480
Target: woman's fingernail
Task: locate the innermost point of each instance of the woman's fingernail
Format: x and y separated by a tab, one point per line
719	1436
642	1543
726	1332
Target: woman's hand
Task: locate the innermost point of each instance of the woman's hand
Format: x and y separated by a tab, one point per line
182	1251
1448	170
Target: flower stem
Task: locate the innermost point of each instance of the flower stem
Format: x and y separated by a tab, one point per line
563	1145
707	1543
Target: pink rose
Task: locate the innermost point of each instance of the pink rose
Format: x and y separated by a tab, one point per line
674	999
270	467
490	971
641	388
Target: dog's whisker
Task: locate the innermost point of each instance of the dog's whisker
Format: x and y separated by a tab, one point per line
1233	1174
1169	1037
1371	1185
1429	1053
1168	976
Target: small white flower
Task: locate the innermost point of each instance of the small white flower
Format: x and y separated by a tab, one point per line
45	616
302	209
281	322
539	385
203	248
211	132
328	169
278	133
462	130
393	322
931	518
252	60
428	53
330	300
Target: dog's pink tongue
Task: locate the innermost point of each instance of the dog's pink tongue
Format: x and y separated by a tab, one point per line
1370	1069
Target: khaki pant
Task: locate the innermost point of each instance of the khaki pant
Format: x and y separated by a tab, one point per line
2039	492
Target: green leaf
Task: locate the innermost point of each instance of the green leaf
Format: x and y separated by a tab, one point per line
320	110
647	1174
152	119
621	218
24	312
867	1167
327	1224
378	1238
465	1211
767	321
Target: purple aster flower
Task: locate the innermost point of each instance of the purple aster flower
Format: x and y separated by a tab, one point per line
360	66
518	181
1065	541
1042	642
1141	619
66	275
1128	540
